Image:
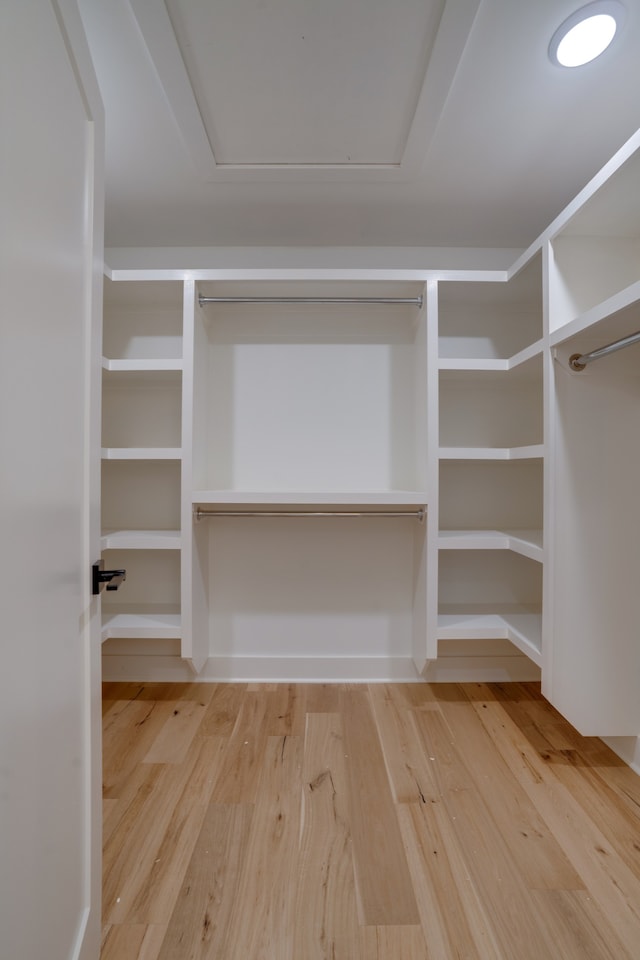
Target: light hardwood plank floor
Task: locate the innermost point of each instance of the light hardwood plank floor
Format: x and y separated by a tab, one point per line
363	822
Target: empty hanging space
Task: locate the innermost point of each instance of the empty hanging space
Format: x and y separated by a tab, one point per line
318	598
310	397
595	544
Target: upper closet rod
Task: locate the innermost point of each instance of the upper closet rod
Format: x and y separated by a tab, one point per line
414	301
201	514
578	361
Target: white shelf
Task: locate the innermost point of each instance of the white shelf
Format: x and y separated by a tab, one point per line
527	543
140	540
130	622
521	627
141	453
494	364
531	452
124	365
619	302
314	498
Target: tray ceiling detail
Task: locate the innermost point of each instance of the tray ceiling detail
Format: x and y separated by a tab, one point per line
267	89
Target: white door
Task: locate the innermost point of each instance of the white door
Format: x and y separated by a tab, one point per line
50	227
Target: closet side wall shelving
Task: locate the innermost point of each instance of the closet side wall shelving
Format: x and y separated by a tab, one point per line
592	671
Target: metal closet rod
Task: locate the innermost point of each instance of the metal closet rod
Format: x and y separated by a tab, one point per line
413	301
201	514
578	361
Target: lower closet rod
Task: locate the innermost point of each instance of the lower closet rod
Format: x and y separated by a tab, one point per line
200	514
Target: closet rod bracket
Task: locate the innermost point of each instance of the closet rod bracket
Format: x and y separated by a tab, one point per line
578	361
575	362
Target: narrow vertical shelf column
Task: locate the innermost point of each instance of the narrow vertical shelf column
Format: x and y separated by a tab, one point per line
491	452
142	451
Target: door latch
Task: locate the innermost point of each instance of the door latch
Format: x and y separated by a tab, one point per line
100	576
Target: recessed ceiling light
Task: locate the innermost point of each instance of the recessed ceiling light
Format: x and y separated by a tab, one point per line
586	33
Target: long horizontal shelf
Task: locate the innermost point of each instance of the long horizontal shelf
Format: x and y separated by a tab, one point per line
531	452
495	364
130	622
602	311
528	543
267	498
522	628
140	540
141	366
141	453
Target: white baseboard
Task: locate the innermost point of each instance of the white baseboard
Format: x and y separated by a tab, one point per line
627	748
155	668
481	670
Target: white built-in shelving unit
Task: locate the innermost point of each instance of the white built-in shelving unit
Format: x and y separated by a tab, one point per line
491	449
314	490
311	420
142	453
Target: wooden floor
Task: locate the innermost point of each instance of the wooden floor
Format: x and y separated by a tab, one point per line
373	822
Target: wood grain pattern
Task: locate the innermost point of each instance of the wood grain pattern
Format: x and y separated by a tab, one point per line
133	941
286	710
265	892
155	897
609	881
406	761
490	865
353	822
177	732
451	909
539	858
129	729
401	943
326	910
223	709
238	778
200	924
383	882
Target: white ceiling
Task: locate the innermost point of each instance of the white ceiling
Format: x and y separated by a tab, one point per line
350	122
